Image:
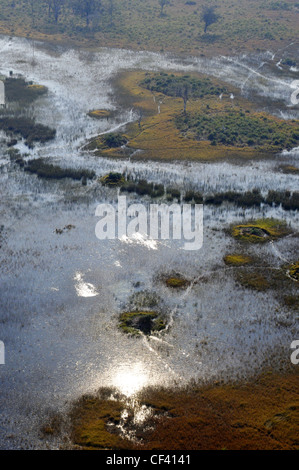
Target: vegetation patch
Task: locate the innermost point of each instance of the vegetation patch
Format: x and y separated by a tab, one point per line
185	87
252	198
182	28
90	418
49	171
108	141
261	230
293	271
234	127
143	188
21	91
27	128
287	199
177	282
137	322
193	196
253	280
99	114
237	259
112	179
210	129
52	427
289	169
173	193
261	414
292	301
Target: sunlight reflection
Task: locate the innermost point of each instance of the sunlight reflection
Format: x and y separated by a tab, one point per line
130	379
84	289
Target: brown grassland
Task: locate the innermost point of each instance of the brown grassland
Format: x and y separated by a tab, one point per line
261	414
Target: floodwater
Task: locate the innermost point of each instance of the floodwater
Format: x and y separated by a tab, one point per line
61	293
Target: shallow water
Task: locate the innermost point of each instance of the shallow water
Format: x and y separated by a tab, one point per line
60	294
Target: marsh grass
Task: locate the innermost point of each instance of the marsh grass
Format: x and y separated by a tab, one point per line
260	414
21	91
49	171
26	128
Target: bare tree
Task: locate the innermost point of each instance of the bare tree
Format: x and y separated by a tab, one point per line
140	117
184	93
209	16
32	5
163	3
55	8
111	10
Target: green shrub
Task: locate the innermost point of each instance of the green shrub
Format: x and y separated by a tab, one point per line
114	140
171	85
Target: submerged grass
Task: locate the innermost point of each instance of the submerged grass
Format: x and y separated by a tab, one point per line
21	91
253	280
49	171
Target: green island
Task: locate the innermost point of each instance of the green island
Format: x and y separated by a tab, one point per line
137	322
237	259
176	282
99	114
260	231
193	117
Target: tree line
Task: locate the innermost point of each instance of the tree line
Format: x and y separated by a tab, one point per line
89	10
86	9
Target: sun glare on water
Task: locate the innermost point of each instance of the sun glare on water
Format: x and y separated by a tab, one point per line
130	380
